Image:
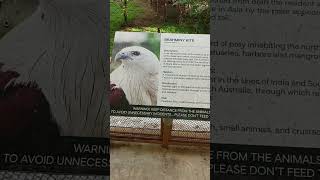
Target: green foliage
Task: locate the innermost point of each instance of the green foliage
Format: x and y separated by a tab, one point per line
198	14
196	20
166	28
154	43
154	39
117	18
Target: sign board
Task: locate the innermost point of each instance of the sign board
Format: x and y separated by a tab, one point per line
265	86
53	91
160	75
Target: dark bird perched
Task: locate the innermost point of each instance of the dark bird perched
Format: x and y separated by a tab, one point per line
58	58
117	97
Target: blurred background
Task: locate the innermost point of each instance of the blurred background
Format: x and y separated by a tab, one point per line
12	12
165	16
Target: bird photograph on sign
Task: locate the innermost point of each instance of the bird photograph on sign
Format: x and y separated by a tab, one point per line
53	86
134	69
58	64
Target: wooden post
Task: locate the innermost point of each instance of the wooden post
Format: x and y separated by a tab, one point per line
157	7
165	10
166	128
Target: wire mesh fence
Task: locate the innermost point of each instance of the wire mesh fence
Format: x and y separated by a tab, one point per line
150	130
190	131
135	128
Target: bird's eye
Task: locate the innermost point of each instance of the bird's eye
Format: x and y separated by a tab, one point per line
136	53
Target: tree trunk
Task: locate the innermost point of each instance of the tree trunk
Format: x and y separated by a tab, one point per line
125	11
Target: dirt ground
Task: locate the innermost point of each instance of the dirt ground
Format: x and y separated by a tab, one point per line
141	161
145	19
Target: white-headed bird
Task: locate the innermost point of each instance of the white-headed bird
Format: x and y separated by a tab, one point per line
137	75
61	51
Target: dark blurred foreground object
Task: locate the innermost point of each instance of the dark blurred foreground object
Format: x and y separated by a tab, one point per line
117	98
13	12
25	117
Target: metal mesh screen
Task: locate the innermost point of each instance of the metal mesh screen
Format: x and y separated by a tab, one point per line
133	128
190	131
7	175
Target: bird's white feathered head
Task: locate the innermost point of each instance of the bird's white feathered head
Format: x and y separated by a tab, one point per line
139	58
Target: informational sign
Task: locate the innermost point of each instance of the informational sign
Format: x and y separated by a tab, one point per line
53	89
160	75
265	89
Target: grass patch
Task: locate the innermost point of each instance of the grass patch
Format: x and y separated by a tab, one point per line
117	19
135	10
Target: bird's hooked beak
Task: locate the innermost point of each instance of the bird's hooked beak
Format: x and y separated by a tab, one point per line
122	56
